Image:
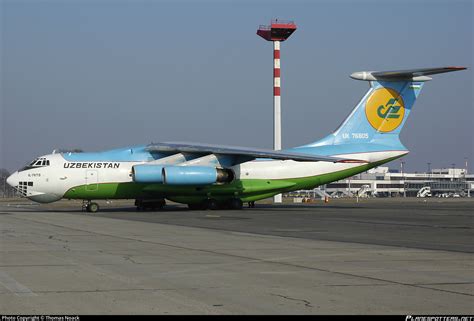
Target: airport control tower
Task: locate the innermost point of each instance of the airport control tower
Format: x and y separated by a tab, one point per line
277	32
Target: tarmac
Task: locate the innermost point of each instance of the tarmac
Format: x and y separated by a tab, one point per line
377	256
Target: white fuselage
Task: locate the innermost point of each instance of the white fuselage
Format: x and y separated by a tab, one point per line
49	183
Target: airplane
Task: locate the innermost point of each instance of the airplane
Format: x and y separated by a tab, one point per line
205	176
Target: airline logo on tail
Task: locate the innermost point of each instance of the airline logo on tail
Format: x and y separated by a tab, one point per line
385	109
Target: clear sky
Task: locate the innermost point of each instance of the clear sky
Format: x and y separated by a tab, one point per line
104	74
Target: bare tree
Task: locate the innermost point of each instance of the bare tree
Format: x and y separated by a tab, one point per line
5	189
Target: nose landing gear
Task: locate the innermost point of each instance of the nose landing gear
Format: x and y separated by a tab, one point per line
89	206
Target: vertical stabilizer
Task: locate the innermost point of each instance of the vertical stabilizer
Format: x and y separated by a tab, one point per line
377	120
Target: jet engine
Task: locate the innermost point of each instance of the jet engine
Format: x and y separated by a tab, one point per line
147	174
196	175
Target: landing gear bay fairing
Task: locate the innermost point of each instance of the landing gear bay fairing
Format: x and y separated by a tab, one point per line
212	177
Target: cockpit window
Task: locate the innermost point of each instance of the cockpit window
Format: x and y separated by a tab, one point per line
39	162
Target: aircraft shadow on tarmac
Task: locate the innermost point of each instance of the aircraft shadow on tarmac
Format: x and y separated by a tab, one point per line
178	208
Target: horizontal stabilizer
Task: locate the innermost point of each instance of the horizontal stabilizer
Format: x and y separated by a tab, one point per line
252	153
397	75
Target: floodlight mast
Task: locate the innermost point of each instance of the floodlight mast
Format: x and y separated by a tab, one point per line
277	31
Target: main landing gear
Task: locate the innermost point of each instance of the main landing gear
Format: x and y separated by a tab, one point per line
212	204
153	205
90	207
236	204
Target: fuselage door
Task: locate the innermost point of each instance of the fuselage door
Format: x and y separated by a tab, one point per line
92	180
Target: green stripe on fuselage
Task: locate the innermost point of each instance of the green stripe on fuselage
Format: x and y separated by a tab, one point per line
245	189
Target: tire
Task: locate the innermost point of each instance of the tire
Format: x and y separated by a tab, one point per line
93	208
236	204
212	204
160	205
197	206
150	206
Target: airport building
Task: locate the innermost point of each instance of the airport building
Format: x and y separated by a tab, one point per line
385	182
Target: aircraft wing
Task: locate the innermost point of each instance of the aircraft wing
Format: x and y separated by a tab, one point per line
244	152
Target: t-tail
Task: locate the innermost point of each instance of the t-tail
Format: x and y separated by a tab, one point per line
375	123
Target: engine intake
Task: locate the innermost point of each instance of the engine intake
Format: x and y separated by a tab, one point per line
196	175
147	174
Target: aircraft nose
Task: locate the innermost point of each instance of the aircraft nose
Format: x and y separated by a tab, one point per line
12	180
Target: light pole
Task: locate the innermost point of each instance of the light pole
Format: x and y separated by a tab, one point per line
468	185
350	192
429	176
403	178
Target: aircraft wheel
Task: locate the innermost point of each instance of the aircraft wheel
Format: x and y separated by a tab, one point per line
93	208
236	204
212	204
161	204
156	206
197	206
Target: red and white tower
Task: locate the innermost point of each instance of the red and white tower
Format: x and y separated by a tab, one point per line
277	32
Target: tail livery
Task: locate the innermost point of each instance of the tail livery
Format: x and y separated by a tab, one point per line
375	123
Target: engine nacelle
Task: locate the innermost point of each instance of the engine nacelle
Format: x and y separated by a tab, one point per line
196	175
147	174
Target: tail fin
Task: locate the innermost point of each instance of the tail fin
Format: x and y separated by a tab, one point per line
381	114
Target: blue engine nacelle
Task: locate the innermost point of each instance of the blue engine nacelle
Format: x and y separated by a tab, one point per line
147	173
196	175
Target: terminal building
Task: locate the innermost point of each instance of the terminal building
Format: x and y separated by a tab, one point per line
385	182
